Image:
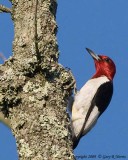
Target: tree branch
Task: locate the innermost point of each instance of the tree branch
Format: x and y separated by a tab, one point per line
5	9
4	120
2	57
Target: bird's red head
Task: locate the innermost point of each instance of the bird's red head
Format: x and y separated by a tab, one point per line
104	65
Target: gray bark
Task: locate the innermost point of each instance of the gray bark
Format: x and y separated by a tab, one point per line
34	87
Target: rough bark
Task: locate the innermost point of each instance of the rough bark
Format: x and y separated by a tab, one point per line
34	88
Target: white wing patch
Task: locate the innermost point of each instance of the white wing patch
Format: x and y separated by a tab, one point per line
90	123
82	104
91	120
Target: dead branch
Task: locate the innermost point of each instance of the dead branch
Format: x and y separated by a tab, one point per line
5	9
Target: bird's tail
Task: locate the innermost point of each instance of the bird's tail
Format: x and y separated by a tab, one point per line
75	139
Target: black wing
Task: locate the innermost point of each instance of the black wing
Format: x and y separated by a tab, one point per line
103	96
101	99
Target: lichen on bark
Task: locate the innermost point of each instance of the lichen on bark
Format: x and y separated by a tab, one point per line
34	86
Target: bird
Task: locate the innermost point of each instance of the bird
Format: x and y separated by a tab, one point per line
93	98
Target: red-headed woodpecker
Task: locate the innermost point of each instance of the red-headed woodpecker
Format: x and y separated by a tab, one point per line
93	98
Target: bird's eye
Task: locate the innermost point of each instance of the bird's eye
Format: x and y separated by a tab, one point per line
107	60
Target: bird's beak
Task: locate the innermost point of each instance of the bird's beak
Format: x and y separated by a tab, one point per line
94	56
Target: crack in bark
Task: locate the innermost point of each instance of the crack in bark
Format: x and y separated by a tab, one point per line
36	34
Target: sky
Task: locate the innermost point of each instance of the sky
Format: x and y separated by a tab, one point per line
102	26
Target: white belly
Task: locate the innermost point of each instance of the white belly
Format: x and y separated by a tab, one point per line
82	104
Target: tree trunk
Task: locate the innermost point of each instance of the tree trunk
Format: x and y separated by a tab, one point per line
34	87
